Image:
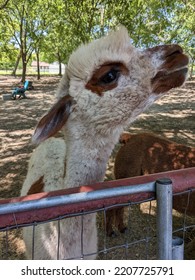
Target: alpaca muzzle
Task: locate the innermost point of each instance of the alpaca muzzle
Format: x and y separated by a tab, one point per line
173	69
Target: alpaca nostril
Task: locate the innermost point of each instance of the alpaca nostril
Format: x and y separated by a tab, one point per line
174	59
173	50
165	51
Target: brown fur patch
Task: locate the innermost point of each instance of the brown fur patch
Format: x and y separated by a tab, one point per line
146	153
163	82
172	72
124	137
96	85
37	187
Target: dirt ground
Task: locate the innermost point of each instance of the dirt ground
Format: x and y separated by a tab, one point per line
173	117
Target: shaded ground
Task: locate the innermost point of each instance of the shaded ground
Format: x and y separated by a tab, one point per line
173	117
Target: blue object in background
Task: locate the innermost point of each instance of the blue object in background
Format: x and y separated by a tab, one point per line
20	90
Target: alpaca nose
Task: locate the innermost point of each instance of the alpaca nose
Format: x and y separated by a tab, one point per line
170	50
174	58
172	67
169	57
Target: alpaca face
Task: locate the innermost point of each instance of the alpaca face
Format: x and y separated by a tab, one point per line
109	83
118	82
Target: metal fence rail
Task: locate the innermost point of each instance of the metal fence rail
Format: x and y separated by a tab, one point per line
75	198
41	208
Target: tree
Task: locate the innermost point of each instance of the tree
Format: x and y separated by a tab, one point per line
26	24
53	29
71	28
3	4
185	22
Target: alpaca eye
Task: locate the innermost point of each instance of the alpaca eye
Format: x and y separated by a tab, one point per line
110	76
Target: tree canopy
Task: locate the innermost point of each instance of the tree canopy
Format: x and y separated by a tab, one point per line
52	29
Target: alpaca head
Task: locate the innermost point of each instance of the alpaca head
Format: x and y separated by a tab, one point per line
108	82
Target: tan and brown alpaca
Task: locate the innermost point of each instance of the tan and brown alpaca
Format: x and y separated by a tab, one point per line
106	85
146	153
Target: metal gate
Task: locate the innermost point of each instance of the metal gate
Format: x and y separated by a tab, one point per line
156	237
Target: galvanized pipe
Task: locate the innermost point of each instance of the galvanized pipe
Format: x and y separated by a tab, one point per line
164	219
74	198
177	248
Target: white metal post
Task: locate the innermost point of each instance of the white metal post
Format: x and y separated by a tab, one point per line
164	219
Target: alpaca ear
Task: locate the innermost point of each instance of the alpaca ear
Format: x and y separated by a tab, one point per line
53	121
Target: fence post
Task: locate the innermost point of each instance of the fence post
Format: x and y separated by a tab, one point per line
164	219
178	248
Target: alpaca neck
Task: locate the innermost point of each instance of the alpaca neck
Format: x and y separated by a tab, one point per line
87	154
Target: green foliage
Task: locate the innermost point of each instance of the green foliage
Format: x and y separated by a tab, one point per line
54	28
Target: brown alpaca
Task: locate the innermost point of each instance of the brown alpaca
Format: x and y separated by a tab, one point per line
147	153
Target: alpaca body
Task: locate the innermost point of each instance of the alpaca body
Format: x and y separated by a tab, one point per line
146	153
143	154
50	162
70	246
106	85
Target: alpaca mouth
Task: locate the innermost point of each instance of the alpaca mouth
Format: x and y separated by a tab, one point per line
181	71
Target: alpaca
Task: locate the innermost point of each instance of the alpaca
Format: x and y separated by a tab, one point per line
146	153
106	85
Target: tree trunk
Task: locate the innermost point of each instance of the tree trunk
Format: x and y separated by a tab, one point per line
16	64
60	68
60	64
38	66
102	20
24	65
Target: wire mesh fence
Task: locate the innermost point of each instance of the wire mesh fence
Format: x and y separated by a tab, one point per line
138	241
131	244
